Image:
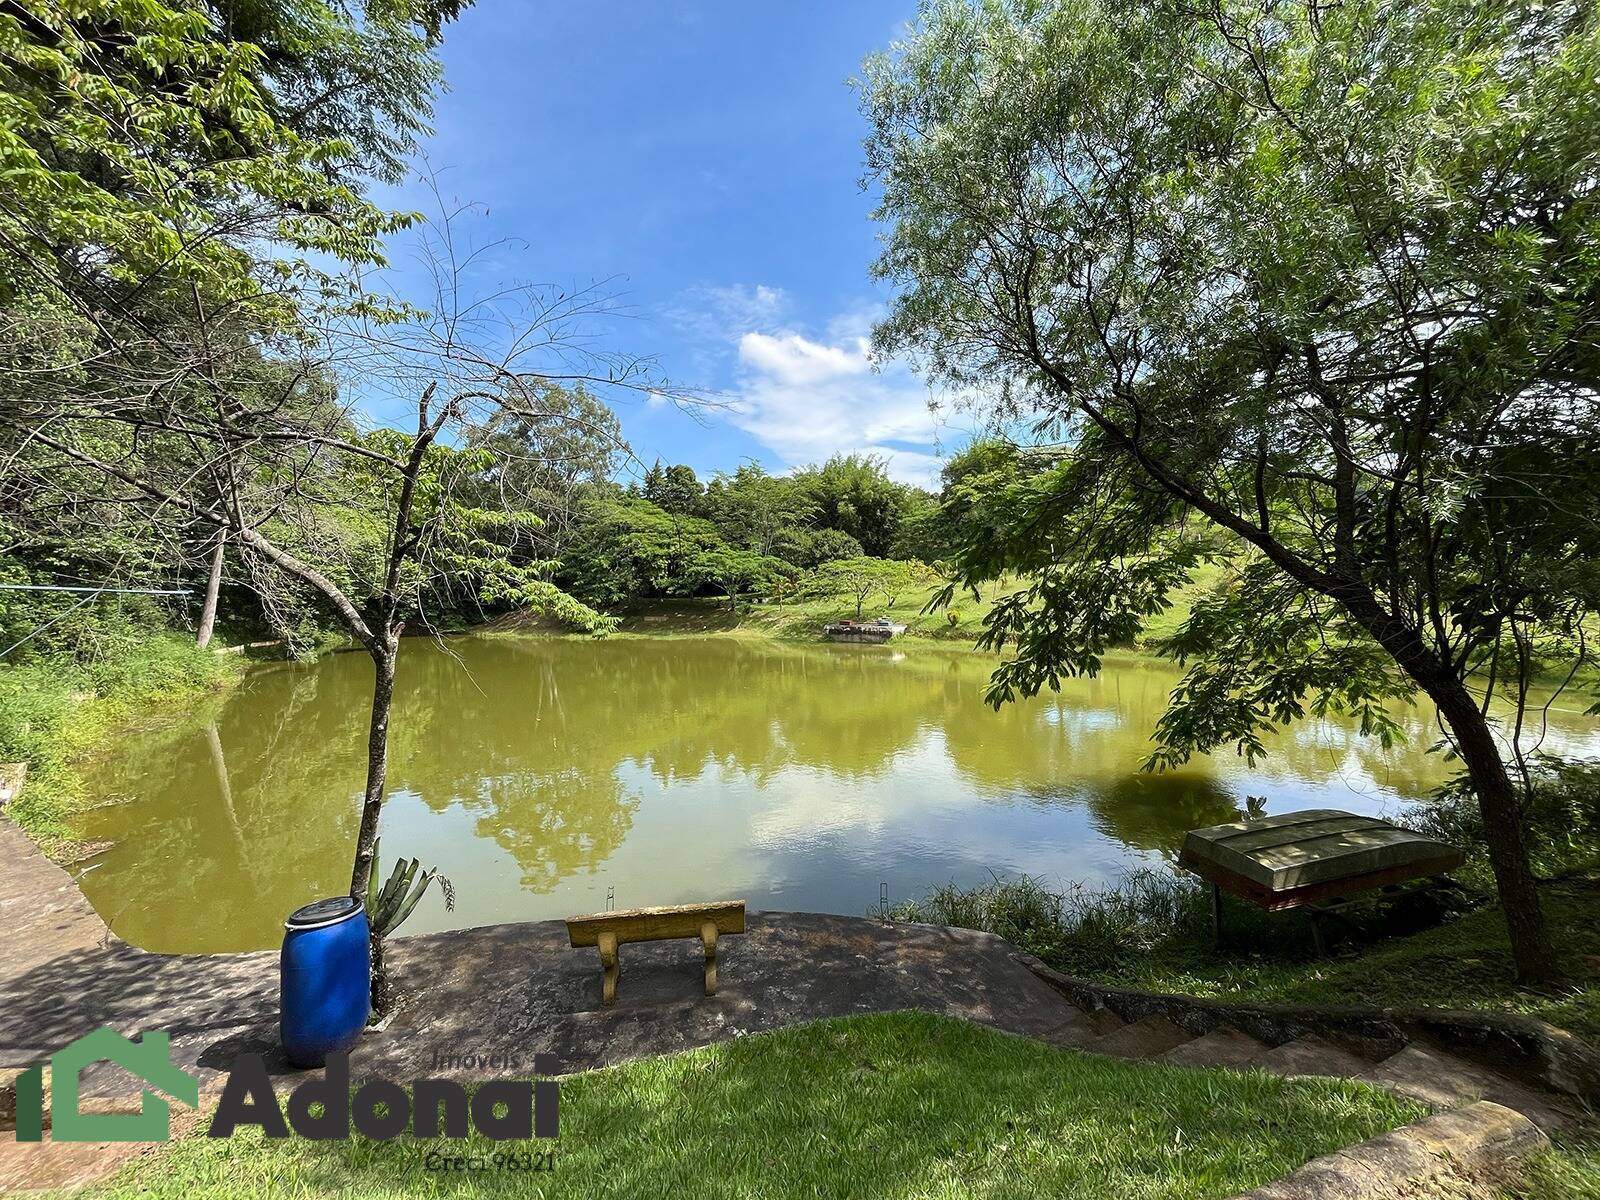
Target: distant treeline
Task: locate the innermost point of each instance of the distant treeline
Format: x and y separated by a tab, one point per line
602	533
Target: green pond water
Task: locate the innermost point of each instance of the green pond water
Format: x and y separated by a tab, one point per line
542	774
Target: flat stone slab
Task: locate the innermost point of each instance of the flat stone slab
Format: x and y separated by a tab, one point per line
42	911
520	990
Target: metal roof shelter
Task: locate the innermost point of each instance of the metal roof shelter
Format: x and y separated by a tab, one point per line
1302	859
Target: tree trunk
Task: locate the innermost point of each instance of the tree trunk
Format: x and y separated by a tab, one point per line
208	612
1504	833
1503	830
382	992
383	659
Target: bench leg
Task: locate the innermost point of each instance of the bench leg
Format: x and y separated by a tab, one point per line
608	963
708	935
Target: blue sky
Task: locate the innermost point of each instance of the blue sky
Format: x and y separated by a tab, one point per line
706	158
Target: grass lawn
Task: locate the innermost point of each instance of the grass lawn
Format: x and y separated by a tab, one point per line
1465	964
902	1105
1568	1171
802	619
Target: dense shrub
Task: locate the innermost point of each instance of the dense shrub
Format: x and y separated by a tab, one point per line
34	701
1083	929
1562	811
53	708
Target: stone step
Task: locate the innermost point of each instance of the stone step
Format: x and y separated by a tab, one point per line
1224	1046
1082	1029
8	1097
1312	1054
1443	1080
1104	1020
1148	1037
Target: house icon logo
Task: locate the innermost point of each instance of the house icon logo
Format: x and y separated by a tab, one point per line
149	1058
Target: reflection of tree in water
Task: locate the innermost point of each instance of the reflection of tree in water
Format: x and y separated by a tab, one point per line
1154	811
512	752
531	735
556	824
538	739
226	826
754	709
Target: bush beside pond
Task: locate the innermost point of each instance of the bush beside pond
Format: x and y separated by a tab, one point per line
57	707
1152	931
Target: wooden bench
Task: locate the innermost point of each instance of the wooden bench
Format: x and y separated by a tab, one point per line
612	929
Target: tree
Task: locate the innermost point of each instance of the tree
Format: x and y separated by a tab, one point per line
627	548
546	457
753	509
854	494
1312	278
732	571
811	547
235	150
375	523
675	489
933	530
362	75
865	577
171	163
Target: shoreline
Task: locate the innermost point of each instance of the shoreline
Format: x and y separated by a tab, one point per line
70	718
91	721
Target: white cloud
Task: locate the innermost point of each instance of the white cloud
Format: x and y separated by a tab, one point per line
792	359
856	322
710	312
808	395
808	401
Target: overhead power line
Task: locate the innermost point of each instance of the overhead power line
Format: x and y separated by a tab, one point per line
51	587
91	593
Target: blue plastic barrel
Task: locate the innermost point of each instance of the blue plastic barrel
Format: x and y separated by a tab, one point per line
325	977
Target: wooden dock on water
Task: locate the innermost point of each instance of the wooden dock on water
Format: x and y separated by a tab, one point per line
861	631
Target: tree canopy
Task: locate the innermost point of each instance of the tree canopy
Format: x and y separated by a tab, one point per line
864	578
1317	281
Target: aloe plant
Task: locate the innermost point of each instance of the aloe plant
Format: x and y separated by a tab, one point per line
387	910
389	906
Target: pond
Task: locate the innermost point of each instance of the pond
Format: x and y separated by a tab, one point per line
546	775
